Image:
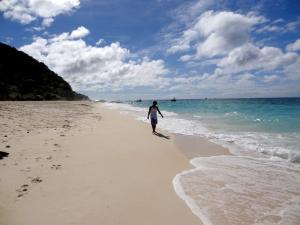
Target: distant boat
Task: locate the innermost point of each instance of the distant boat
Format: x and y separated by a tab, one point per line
116	102
173	99
138	100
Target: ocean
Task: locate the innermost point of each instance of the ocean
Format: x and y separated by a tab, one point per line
260	182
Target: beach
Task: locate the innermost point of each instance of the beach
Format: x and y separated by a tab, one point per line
82	163
149	112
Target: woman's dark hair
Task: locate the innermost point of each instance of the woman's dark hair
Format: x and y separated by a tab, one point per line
154	102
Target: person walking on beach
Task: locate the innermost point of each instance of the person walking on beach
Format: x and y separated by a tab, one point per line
153	115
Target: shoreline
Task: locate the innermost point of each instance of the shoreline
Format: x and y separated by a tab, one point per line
82	163
225	186
195	146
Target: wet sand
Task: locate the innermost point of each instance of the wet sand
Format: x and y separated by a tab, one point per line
193	146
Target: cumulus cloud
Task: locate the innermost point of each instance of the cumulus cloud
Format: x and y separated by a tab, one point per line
294	46
249	57
216	33
93	68
26	11
80	32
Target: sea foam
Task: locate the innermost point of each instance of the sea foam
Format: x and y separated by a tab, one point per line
240	190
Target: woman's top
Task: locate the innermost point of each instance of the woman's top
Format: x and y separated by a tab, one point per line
153	112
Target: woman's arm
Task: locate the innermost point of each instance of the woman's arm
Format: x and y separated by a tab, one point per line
159	112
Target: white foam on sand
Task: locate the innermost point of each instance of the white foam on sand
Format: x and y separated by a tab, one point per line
238	190
188	200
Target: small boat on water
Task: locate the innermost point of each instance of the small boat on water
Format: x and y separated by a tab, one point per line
138	100
173	99
116	102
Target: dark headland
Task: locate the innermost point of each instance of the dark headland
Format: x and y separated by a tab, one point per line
24	78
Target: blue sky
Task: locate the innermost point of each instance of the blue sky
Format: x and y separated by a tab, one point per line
125	49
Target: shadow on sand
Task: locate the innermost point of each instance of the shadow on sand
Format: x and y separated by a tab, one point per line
3	154
161	135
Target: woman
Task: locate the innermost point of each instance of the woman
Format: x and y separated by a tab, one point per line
153	115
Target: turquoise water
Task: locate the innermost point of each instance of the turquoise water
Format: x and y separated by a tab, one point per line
275	115
270	126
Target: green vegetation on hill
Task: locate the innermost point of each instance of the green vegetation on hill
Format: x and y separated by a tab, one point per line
24	78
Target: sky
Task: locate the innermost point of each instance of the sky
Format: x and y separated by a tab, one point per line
159	49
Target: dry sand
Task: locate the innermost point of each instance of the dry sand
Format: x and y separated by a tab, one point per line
80	163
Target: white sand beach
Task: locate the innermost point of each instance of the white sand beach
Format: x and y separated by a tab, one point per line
81	163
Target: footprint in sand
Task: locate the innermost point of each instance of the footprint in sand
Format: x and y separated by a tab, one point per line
49	158
66	126
22	190
56	167
27	169
37	159
36	180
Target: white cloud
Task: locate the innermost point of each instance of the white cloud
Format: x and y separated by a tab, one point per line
292	71
291	26
246	79
277	26
26	11
216	33
249	57
100	41
270	78
47	22
294	46
80	32
224	31
270	28
226	43
186	58
96	68
188	11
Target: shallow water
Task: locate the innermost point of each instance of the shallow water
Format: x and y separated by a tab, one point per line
242	191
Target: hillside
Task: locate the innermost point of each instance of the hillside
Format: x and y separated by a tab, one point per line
24	78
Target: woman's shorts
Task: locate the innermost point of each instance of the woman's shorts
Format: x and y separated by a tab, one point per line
153	121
